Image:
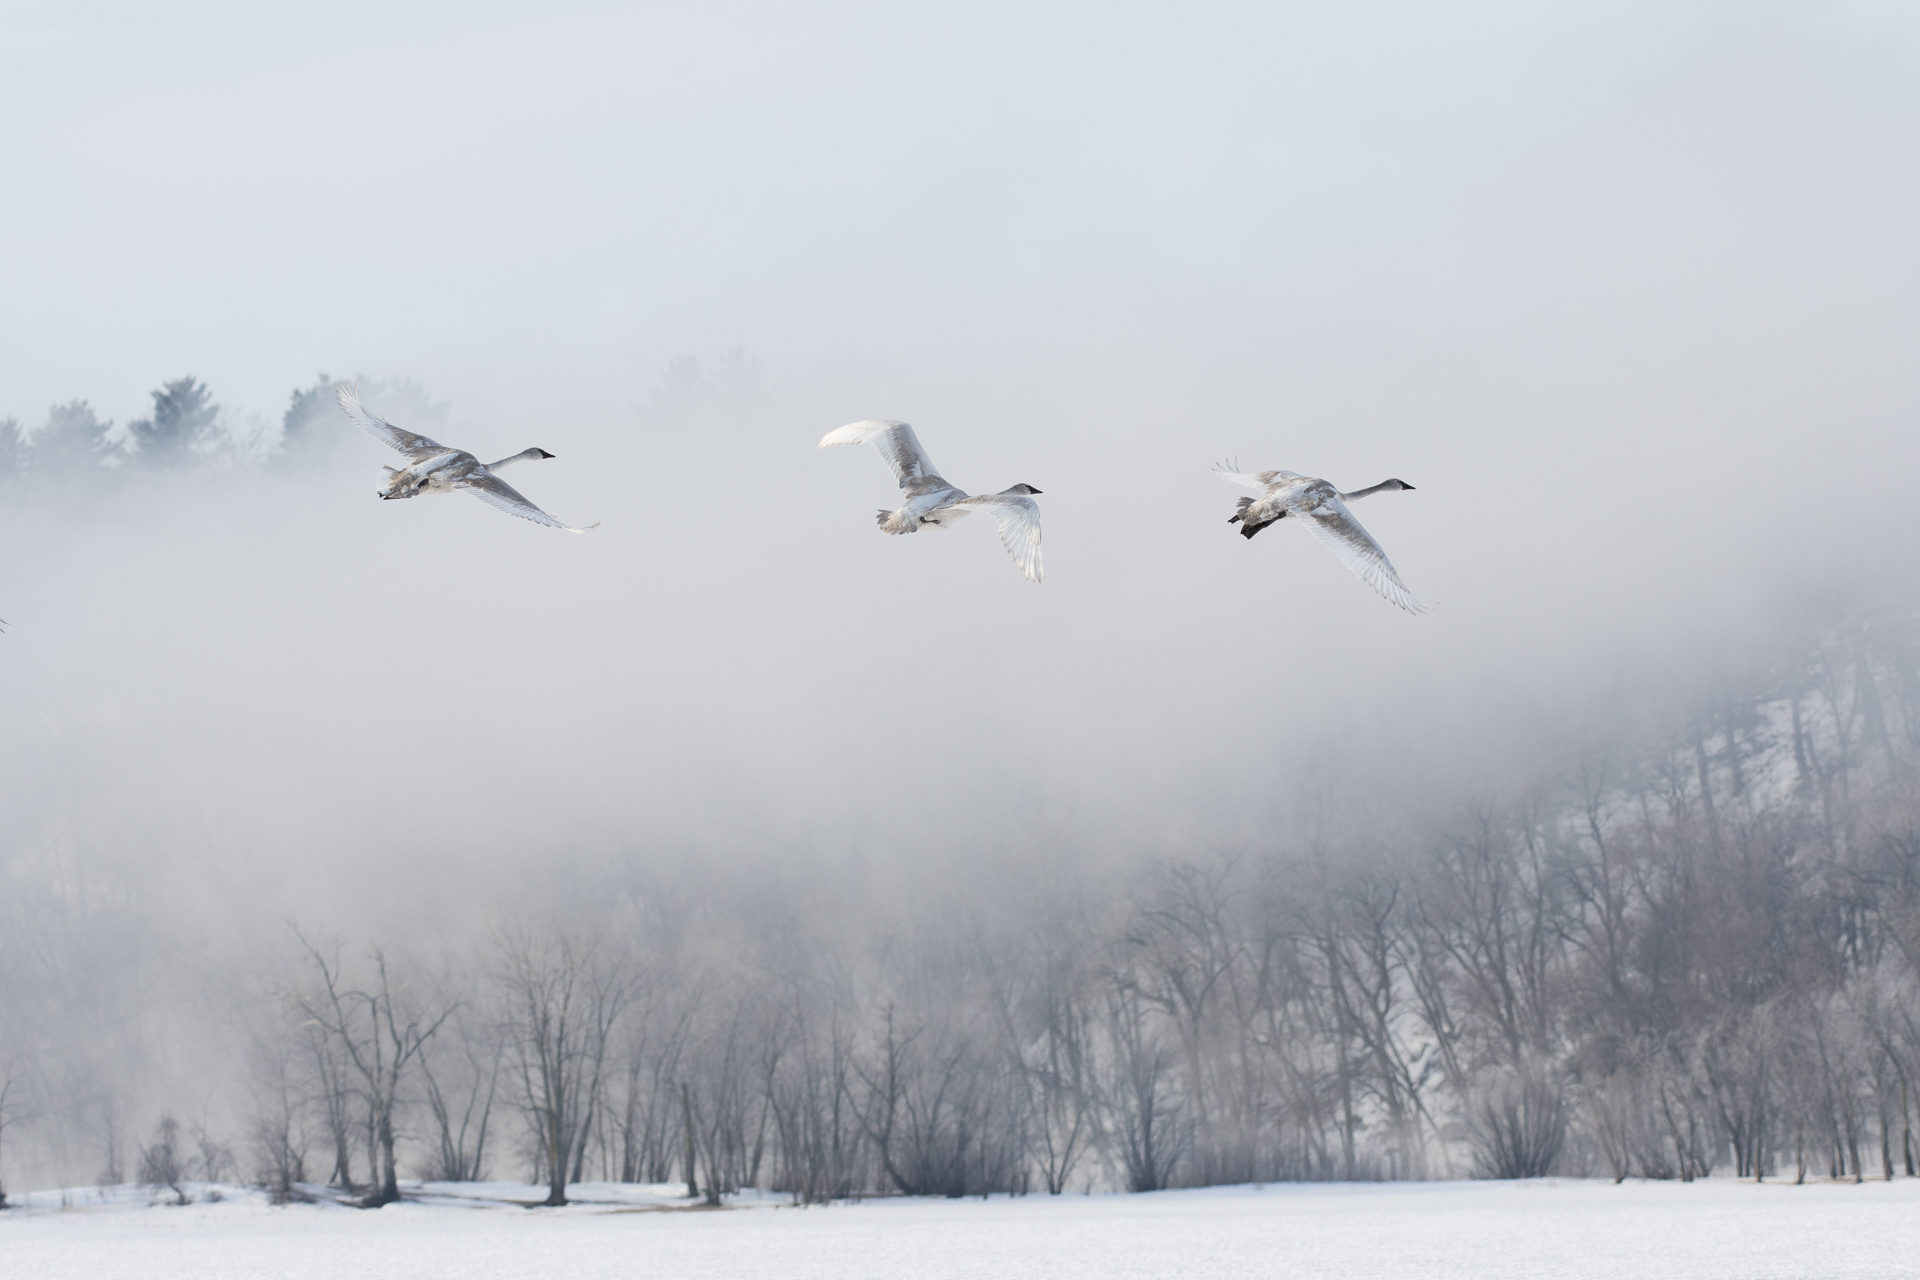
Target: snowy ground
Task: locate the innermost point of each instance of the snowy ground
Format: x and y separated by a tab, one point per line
1432	1231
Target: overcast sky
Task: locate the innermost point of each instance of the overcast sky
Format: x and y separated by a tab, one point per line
1628	291
536	206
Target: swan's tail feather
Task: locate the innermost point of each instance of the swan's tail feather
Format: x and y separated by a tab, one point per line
897	522
1248	528
1239	509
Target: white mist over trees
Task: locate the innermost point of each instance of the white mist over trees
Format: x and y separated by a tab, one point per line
1676	930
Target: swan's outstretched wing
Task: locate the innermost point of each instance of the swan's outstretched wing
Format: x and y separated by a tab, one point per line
496	492
1019	520
1260	482
414	446
897	444
1341	534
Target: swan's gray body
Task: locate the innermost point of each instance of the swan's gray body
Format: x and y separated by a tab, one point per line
1323	509
435	468
933	502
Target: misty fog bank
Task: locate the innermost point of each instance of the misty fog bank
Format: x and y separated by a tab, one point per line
249	654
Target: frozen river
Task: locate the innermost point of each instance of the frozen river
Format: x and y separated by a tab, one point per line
1433	1231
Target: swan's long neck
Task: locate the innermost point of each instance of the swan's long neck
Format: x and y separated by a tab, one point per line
1385	486
525	455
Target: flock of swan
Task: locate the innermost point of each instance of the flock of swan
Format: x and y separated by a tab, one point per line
931	501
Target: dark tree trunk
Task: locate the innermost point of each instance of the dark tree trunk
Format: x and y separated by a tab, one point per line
686	1110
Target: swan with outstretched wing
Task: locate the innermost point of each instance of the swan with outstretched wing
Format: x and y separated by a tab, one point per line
434	468
1323	509
933	502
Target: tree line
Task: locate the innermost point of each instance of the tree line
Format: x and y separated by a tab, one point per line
187	430
1693	950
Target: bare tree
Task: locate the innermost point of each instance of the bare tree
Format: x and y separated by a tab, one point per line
1042	998
1518	1123
279	1135
9	1083
564	992
333	1087
1145	1113
161	1164
460	1094
381	1033
646	1117
1183	955
728	1114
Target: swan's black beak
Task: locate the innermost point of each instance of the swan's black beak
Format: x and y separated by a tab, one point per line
543	453
1036	491
1406	486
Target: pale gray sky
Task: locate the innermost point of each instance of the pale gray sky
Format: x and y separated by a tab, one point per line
500	201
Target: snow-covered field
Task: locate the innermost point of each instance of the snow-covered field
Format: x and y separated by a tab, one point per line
1432	1231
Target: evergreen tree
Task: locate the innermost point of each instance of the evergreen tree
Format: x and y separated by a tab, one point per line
183	417
73	440
304	426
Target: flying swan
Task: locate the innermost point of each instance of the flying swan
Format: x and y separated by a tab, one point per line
434	468
1323	509
932	502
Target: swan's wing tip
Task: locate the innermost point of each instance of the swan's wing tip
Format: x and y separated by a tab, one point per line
858	432
896	442
495	492
1336	529
1230	472
1018	523
410	443
840	435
